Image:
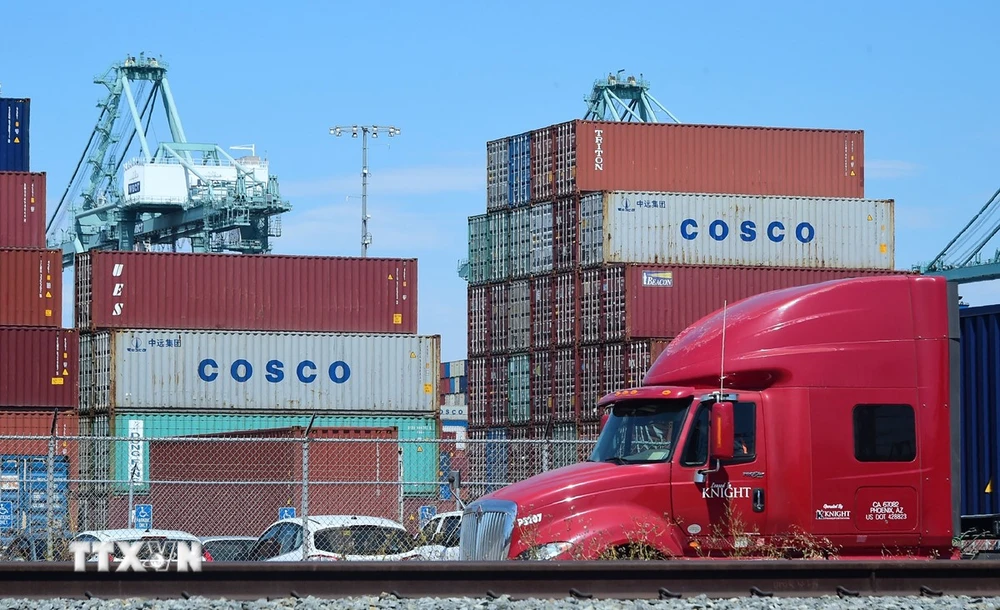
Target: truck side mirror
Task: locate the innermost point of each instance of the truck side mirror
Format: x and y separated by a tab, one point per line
722	433
604	420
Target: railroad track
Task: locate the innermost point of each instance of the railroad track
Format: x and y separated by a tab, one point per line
519	580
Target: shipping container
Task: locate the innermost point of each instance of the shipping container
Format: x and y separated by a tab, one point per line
140	370
245	292
520	242
22	209
980	395
479	320
24	470
564	446
564	311
40	368
519	316
738	230
193	479
542	386
520	170
603	369
455	400
31	288
499	227
454	368
659	301
498	390
478	400
685	158
499	313
497	175
519	382
541	312
564	234
566	405
541	238
480	256
15	134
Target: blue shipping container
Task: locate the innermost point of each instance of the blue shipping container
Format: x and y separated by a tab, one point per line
15	117
520	170
980	405
24	483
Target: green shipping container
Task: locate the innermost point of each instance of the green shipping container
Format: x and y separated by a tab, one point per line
499	227
489	247
420	460
519	389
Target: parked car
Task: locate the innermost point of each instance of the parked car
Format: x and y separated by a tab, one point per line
27	546
162	542
438	538
228	548
335	538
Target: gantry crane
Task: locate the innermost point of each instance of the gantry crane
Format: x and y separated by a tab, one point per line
961	260
613	99
175	191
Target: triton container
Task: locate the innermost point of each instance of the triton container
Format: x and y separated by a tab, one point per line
245	292
581	156
154	370
30	288
741	230
22	209
15	141
39	368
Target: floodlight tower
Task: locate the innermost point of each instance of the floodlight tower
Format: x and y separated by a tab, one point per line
366	237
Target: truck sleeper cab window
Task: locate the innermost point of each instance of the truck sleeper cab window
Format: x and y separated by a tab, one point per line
884	433
744	437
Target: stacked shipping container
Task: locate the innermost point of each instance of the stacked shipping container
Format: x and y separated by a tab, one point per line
39	382
619	235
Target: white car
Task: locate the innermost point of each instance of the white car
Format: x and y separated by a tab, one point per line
438	538
335	538
162	542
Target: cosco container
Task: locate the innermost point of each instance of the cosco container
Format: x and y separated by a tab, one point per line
22	209
980	383
31	288
39	368
117	290
497	174
136	370
738	230
582	156
622	302
15	135
520	170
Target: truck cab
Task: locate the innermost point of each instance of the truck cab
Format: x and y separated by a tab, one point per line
816	421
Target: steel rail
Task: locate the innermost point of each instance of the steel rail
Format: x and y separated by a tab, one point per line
518	579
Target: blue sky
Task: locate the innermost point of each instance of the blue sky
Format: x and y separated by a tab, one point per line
451	76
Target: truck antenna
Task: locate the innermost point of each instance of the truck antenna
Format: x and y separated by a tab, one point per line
722	367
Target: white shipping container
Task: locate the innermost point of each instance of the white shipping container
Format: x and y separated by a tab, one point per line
738	230
163	370
497	174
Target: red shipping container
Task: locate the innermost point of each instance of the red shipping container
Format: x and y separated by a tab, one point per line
22	210
542	312
684	158
202	487
31	288
518	316
499	311
659	301
542	387
479	320
155	290
603	369
565	234
564	310
566	392
40	368
478	398
498	391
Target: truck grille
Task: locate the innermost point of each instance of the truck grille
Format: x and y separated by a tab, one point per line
486	530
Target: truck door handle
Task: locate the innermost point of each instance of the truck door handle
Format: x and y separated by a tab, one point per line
758	500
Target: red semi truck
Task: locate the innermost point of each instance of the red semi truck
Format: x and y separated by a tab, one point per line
816	421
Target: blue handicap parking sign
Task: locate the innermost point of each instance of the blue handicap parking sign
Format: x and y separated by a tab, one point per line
6	515
144	516
286	512
427	513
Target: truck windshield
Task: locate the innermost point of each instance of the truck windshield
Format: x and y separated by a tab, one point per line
641	431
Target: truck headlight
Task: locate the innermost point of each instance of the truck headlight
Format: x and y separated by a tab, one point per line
546	551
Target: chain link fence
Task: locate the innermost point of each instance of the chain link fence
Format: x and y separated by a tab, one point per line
240	483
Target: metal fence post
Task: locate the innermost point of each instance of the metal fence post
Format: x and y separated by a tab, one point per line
50	489
305	489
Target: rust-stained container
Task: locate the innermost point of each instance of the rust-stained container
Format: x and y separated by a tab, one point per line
245	292
31	288
542	386
542	312
499	313
606	368
22	210
659	301
479	391
479	320
201	485
582	156
564	310
39	368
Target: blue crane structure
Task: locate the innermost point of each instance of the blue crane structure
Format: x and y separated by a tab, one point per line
962	259
155	197
616	99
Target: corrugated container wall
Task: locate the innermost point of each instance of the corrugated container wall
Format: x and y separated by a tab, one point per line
260	372
738	230
31	288
15	135
245	292
520	170
686	158
39	368
520	242
980	395
22	209
659	301
497	174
